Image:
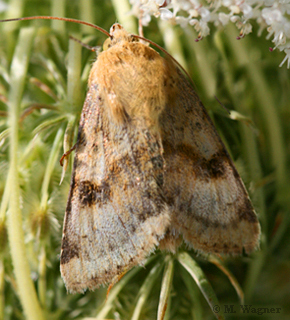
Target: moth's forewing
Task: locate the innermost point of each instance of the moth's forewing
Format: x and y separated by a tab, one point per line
115	213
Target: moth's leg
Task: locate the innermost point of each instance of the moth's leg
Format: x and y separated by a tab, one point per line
95	49
66	154
116	279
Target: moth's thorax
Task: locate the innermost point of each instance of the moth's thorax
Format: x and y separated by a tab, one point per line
134	80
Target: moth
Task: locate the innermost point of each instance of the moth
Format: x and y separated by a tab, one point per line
149	169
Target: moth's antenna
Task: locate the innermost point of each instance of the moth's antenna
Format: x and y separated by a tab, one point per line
167	53
63	19
227	110
100	29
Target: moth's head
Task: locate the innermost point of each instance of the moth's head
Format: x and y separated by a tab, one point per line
115	29
117	34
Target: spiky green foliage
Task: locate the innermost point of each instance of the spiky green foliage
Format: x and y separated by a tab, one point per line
43	78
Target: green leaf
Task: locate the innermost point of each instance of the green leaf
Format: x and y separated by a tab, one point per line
146	289
199	277
108	305
230	276
165	288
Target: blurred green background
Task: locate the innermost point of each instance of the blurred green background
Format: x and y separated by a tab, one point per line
43	82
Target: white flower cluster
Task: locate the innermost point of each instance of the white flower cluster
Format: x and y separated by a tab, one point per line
3	6
270	14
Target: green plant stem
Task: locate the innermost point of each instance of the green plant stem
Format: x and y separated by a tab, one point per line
42	277
67	143
219	263
122	8
4	134
108	305
26	290
165	289
87	14
255	268
146	289
194	292
203	66
4	202
74	95
268	110
205	287
15	9
2	287
58	10
172	41
271	117
53	157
